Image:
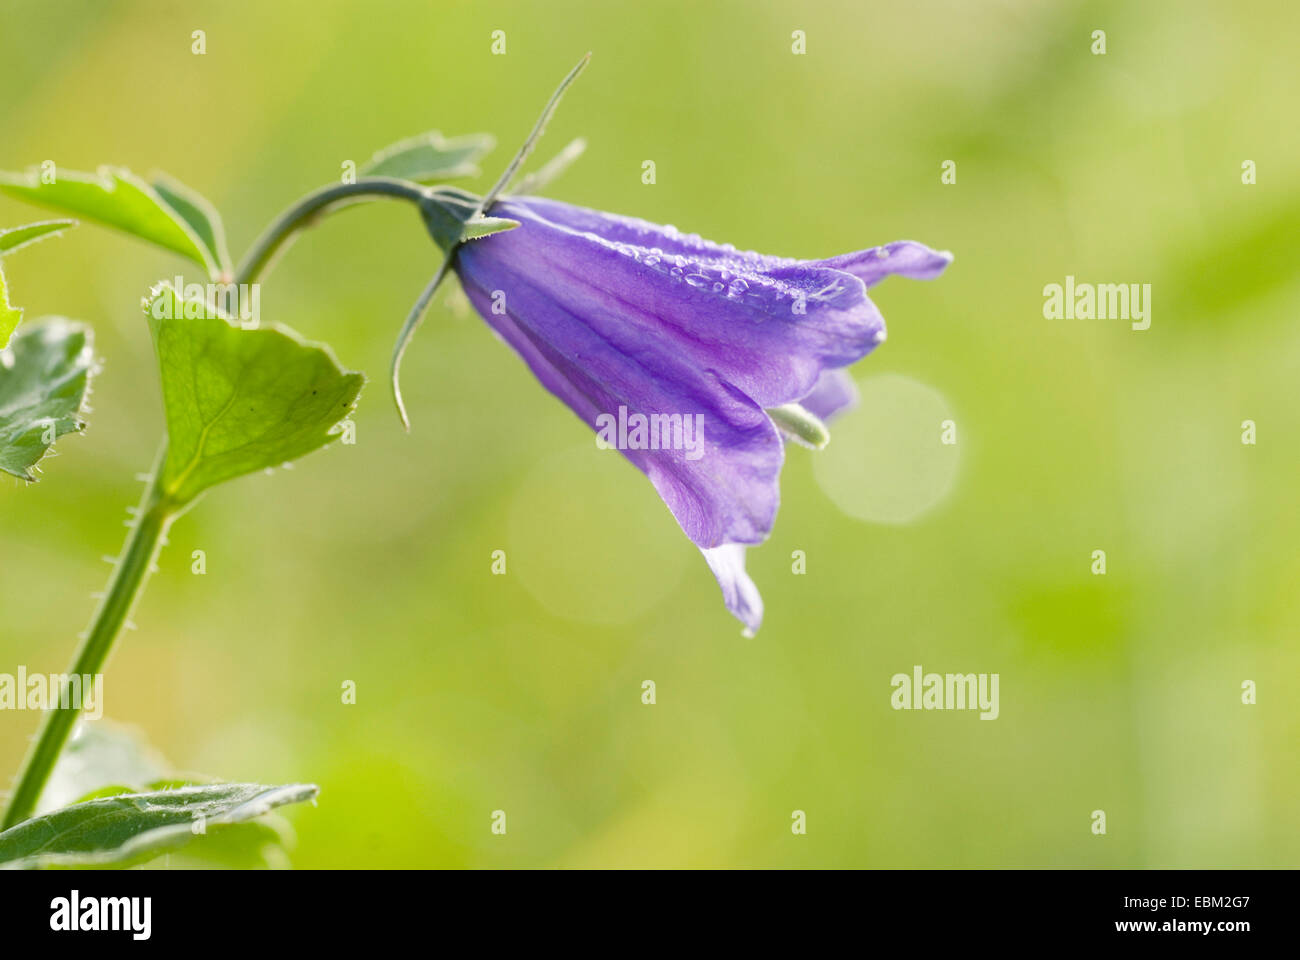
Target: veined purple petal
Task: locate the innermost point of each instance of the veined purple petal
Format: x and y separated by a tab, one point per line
738	591
834	393
767	326
620	318
905	258
636	232
722	490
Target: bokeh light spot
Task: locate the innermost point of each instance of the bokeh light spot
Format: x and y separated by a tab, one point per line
887	461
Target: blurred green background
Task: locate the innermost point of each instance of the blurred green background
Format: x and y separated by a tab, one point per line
522	692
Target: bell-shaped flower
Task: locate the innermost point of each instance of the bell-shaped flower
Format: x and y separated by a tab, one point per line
684	354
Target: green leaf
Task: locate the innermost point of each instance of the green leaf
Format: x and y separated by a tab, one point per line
132	828
200	215
257	845
430	157
239	400
44	375
15	238
105	759
101	756
116	197
10	316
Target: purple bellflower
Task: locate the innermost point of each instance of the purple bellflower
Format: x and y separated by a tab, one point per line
613	313
705	356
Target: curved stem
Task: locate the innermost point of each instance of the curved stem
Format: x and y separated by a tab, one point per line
156	512
148	533
301	214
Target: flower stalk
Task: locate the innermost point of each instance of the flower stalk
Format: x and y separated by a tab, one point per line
303	213
157	511
148	534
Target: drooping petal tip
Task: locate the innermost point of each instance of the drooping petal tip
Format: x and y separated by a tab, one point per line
904	258
738	591
624	320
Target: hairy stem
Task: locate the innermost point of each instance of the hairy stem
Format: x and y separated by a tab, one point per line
305	210
156	512
148	533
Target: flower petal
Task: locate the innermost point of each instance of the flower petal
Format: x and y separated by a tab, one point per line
906	258
834	393
738	591
767	325
642	233
721	480
619	316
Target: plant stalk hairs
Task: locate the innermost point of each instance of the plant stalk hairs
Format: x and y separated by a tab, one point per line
726	354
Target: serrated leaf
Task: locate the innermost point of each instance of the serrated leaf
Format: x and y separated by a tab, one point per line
44	374
479	227
10	316
15	238
116	197
102	756
239	400
201	216
430	157
132	828
105	759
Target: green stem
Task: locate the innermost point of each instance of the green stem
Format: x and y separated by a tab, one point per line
304	211
156	512
148	533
